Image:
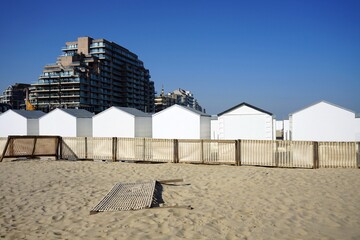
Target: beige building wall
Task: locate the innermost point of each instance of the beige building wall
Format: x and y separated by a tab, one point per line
66	60
83	45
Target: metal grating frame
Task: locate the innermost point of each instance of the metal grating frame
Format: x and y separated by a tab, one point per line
127	196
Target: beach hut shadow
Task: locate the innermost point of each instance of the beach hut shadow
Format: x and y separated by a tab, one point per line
67	153
158	201
157	197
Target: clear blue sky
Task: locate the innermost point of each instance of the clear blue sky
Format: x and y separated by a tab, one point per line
280	56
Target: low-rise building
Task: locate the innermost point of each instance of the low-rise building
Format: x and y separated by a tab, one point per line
179	97
15	95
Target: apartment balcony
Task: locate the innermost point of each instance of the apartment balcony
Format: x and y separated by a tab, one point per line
70	82
52	65
57	103
70	47
57	76
97	50
70	95
55	96
70	89
97	44
43	82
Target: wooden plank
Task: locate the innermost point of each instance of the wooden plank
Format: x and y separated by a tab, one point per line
34	146
176	151
114	149
60	148
315	155
86	148
170	180
4	151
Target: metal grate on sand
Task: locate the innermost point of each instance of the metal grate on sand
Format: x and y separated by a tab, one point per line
127	196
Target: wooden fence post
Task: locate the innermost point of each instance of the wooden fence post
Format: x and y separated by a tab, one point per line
176	151
86	148
144	154
277	153
5	148
11	145
202	150
34	147
238	152
315	155
114	149
358	154
59	148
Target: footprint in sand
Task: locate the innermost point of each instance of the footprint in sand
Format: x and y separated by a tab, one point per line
57	218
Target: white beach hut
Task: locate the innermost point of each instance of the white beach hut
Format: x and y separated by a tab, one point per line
357	129
279	124
67	123
122	122
214	127
245	121
20	122
286	130
179	122
323	121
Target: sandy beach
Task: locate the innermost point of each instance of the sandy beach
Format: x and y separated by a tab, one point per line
50	199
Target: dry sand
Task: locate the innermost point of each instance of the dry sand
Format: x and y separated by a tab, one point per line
52	199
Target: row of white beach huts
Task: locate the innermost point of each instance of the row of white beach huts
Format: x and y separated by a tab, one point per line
322	121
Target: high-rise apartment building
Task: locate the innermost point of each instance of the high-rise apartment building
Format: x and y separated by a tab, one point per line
15	95
94	74
178	96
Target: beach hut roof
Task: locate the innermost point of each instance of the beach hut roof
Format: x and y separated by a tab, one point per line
29	114
186	108
322	102
78	113
134	111
244	104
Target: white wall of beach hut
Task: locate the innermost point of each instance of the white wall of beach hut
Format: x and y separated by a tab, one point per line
20	122
179	122
67	123
122	122
245	121
323	121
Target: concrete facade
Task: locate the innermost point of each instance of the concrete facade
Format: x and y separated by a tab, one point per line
94	74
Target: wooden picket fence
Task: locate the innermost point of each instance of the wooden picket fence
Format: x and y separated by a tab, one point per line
289	154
